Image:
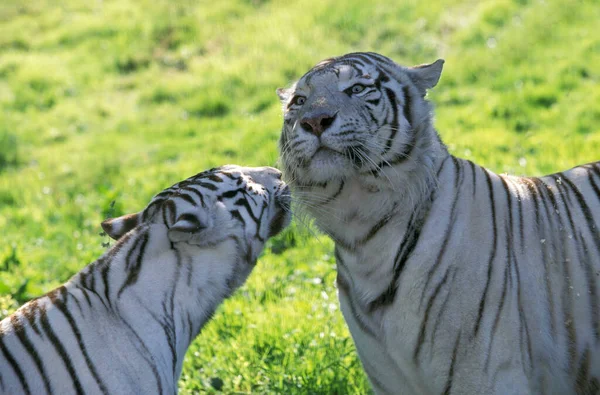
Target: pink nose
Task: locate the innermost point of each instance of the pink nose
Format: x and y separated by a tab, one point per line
317	123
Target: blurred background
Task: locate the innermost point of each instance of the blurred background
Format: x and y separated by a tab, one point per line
114	100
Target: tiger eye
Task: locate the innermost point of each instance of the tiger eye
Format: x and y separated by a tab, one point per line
358	88
299	100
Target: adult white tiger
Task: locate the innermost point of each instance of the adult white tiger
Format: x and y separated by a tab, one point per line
123	324
452	279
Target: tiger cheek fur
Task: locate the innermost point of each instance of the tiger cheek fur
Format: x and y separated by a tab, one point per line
452	279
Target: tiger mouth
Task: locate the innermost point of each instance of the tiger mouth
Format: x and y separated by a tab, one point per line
327	150
352	153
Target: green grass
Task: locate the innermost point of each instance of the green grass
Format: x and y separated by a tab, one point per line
115	100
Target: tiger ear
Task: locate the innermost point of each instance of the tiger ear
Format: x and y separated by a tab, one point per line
426	76
283	94
186	227
117	227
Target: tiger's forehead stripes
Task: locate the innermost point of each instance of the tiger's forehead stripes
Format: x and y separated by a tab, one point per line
344	71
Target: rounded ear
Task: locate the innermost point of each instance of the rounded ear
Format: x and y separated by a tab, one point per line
283	94
185	227
426	76
117	227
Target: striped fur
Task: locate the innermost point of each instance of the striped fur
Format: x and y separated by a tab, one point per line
123	324
452	279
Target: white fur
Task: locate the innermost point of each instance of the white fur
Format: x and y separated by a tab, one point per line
138	308
507	350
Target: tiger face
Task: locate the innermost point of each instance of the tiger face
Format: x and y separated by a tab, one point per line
248	204
352	115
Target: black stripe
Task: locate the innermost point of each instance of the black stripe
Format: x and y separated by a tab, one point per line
150	360
106	283
523	319
15	366
62	352
214	177
133	272
166	321
507	268
343	286
407	246
492	253
186	197
438	319
569	321
169	212
425	320
458	179
510	251
394	124
587	212
168	325
76	302
587	260
150	209
30	312
377	227
595	186
521	218
448	387
473	177
535	192
372	117
497	318
230	194
442	165
567	294
61	305
380	58
383	76
364	57
406	108
208	186
336	194
21	333
195	192
118	245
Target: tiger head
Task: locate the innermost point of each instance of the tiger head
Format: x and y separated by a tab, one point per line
352	115
245	204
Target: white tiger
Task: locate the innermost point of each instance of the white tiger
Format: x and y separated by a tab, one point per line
452	279
123	324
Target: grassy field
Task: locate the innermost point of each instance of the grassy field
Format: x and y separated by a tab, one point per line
105	101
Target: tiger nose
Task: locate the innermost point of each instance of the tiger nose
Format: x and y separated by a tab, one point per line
317	123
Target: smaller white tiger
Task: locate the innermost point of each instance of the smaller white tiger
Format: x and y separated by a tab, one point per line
123	324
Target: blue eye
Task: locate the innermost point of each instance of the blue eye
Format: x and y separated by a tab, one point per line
357	88
299	100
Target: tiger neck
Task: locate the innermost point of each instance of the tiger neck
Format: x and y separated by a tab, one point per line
157	295
368	216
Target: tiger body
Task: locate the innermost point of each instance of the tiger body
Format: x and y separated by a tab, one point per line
452	279
123	324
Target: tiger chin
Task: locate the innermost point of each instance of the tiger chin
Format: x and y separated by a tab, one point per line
452	279
123	324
